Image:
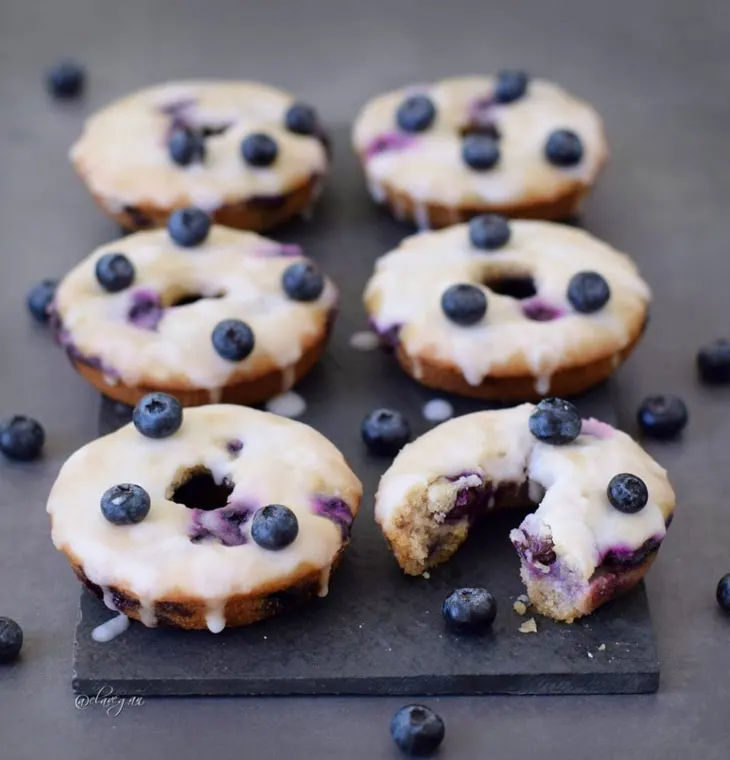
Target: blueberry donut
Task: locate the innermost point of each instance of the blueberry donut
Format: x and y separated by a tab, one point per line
186	520
603	505
250	155
439	154
205	312
507	310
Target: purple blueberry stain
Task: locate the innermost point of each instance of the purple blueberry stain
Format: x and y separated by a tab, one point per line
470	501
624	556
225	525
533	550
596	429
336	510
234	447
146	310
389	142
389	336
539	310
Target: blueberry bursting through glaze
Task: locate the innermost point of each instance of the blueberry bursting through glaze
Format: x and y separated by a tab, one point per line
21	438
158	415
125	504
188	227
511	86
417	730
259	150
464	304
662	417
336	510
416	113
627	493
588	292
186	146
114	272
555	421
39	300
489	232
480	152
302	281
564	148
11	640
233	340
301	119
274	527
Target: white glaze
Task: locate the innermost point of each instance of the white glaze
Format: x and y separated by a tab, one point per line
408	283
287	404
109	630
180	350
281	462
432	169
574	511
365	340
437	410
122	153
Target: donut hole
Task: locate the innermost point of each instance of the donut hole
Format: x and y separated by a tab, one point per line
517	286
185	299
198	489
485	130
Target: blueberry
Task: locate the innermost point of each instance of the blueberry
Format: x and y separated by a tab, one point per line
627	493
723	593
713	362
115	272
464	304
511	86
301	119
469	610
274	527
385	432
564	148
66	80
259	149
125	504
555	421
40	298
480	152
302	281
11	640
233	339
417	730
186	146
21	438
188	227
158	415
662	416
588	292
489	231
416	113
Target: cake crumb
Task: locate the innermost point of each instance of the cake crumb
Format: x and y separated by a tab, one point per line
426	574
529	626
602	648
519	607
590	655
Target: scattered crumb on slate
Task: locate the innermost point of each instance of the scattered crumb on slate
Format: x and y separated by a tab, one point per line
590	655
529	626
426	575
602	648
519	607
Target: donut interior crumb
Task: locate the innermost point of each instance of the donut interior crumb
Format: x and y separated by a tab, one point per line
529	626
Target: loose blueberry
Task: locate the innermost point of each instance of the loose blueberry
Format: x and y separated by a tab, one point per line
662	416
274	527
713	362
723	593
21	438
66	80
233	339
11	640
555	421
489	231
302	281
259	150
40	298
627	493
115	272
480	152
469	610
158	415
125	504
511	86
588	292
416	114
301	119
464	304
186	146
417	730
188	227
564	148
385	432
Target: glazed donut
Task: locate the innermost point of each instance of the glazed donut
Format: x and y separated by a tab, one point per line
508	310
207	313
604	504
439	154
200	529
248	154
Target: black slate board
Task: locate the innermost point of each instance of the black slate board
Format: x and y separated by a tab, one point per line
378	632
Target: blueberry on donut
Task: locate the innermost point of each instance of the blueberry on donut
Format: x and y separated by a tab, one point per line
201	311
441	153
249	154
603	505
507	310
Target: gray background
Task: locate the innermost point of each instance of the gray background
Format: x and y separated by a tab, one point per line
657	70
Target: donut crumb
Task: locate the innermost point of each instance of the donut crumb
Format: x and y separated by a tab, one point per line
529	626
